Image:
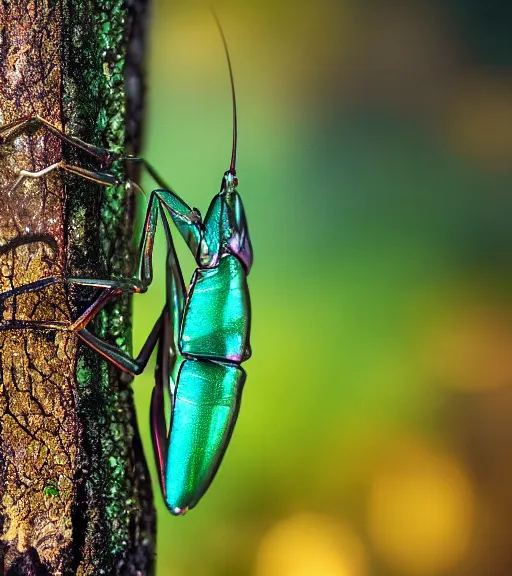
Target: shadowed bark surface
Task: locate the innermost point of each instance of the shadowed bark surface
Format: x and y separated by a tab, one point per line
75	495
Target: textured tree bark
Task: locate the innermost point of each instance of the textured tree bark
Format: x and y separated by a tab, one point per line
75	494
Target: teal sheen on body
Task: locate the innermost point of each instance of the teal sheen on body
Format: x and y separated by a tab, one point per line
201	348
205	410
216	322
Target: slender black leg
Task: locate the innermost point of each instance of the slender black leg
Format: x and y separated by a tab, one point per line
30	287
120	358
112	289
99	177
157	419
187	220
13	129
106	157
169	355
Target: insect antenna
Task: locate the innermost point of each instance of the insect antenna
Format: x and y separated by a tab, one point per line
232	166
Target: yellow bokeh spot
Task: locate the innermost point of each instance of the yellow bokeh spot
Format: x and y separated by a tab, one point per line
420	512
310	545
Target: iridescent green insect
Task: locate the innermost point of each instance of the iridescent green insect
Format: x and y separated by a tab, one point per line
203	336
202	333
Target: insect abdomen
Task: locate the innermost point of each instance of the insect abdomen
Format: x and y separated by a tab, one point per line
205	411
216	320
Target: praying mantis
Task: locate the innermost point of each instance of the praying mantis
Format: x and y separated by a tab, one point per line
203	331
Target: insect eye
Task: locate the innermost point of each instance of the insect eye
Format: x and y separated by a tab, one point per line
235	181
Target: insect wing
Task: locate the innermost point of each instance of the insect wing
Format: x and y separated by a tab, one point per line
216	322
205	411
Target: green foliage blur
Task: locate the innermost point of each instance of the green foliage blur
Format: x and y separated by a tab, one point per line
374	158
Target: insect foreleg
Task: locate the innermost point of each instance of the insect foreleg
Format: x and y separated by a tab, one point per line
34	325
169	358
13	129
175	286
75	326
187	220
112	287
30	287
99	177
106	157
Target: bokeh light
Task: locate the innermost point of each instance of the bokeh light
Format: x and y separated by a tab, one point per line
420	511
307	544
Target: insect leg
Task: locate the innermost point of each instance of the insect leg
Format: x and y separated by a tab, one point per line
34	325
175	297
112	353
106	157
112	287
30	287
99	177
120	358
13	129
122	285
187	220
169	356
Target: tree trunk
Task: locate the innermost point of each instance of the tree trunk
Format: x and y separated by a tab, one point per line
75	493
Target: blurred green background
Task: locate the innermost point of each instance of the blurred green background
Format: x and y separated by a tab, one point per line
374	158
